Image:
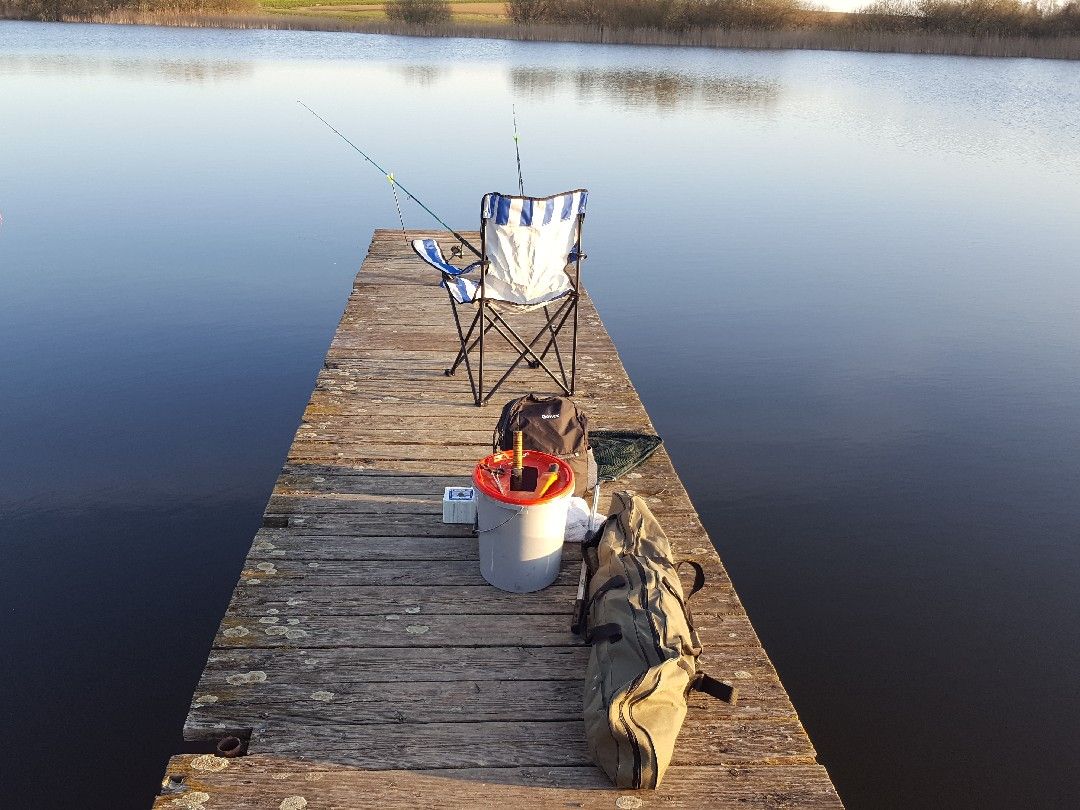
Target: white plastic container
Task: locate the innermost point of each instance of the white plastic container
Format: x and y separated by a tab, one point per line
521	533
459	505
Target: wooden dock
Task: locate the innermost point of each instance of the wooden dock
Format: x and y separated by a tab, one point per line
372	666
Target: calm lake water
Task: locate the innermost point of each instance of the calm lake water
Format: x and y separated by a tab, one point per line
846	286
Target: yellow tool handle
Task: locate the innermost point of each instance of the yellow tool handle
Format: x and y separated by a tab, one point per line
553	476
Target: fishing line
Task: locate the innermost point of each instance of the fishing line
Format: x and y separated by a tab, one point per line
517	150
396	185
397	203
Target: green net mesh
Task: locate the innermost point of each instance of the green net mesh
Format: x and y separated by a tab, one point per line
617	452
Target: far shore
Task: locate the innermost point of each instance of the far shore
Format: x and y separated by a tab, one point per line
826	39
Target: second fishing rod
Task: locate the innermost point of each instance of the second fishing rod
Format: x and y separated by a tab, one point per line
396	185
393	180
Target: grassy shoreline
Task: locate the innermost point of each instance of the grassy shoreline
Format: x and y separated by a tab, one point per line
1066	47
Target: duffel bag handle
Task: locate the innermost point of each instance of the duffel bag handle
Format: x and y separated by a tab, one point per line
605	632
581	612
699	576
714	688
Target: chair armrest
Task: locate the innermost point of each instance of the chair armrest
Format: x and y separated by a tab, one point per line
430	252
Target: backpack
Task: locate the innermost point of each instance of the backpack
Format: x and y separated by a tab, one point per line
552	425
643	661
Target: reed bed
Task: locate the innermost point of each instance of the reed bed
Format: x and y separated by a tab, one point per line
1065	47
820	37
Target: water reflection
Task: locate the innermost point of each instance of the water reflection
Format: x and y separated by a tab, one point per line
420	75
660	90
181	71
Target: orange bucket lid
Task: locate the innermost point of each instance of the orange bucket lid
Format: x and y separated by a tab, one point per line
499	465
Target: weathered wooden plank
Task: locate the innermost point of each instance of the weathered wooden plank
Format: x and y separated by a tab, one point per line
377	503
339	568
248	700
417	599
276	544
349	493
307	631
616	415
245	697
283	782
365	524
706	739
317	548
742	664
677	524
351	573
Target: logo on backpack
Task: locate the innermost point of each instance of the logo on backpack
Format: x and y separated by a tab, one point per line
550	415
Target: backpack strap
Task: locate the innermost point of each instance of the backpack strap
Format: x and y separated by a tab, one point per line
507	415
714	688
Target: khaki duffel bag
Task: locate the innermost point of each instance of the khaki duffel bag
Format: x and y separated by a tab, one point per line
644	647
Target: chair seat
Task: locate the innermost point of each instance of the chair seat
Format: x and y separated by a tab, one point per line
467	291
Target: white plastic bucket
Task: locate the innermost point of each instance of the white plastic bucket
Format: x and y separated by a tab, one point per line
521	540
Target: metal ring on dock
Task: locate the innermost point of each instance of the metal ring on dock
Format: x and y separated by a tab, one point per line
230	747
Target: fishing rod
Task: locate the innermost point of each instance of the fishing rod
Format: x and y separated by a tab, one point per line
392	180
517	150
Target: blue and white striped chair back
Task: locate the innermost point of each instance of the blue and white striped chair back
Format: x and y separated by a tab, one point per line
528	241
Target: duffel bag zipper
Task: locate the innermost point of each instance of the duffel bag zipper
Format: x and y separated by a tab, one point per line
630	735
648	617
630	711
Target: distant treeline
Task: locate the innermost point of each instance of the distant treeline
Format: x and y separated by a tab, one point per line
661	15
972	17
50	10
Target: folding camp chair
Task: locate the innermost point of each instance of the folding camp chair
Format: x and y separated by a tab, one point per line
530	259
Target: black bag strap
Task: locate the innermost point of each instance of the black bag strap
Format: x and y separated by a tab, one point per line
714	688
580	622
617	581
592	540
507	415
699	576
605	632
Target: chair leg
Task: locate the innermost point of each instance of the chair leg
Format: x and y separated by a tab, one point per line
482	315
553	343
486	320
550	343
525	350
573	349
449	372
463	352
